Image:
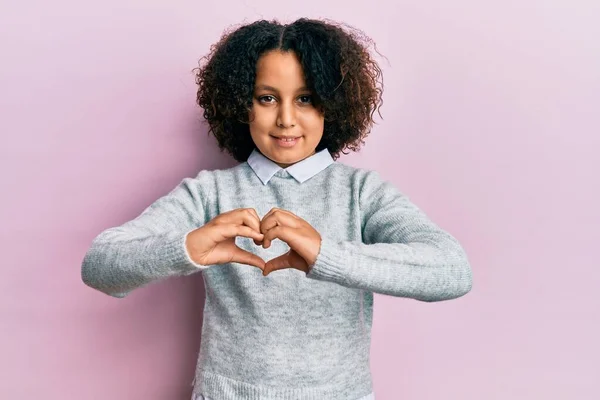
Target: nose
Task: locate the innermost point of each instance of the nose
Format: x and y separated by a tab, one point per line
286	118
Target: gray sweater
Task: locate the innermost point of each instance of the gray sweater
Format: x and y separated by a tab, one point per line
289	335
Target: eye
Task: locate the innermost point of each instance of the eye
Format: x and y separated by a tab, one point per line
305	99
267	99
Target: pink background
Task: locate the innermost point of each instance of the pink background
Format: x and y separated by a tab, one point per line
491	125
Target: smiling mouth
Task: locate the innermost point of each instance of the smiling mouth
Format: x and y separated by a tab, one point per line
286	141
285	137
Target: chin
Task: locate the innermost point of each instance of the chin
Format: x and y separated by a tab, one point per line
290	157
286	160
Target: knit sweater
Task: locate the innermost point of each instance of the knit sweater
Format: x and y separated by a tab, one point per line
289	335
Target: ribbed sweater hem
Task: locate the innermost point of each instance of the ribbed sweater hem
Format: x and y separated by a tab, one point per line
219	387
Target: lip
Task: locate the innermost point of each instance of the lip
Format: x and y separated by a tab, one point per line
285	137
286	141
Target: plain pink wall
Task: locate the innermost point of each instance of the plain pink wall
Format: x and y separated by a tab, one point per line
491	125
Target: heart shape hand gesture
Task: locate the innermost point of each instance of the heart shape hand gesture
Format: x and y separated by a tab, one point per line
214	242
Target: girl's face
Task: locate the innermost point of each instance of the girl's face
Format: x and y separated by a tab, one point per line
286	127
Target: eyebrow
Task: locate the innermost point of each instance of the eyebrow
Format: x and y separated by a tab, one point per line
271	88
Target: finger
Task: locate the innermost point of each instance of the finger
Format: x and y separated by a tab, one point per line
245	257
241	216
270	212
281	262
255	219
231	231
283	233
253	211
249	217
281	210
278	218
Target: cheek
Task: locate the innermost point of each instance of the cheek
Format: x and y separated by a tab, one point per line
261	121
314	124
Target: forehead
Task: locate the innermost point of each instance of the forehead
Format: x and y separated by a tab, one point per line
281	70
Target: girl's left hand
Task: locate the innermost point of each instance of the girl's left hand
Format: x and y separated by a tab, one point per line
303	239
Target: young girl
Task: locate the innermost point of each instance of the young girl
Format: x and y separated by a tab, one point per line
291	244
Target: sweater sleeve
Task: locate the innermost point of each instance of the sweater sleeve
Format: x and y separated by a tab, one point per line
151	246
403	253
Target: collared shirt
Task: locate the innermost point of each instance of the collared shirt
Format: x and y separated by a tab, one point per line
302	171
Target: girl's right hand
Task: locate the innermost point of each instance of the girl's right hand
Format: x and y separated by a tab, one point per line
214	242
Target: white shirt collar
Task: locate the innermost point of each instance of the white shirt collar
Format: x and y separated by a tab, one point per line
302	171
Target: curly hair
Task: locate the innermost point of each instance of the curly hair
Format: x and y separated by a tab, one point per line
345	81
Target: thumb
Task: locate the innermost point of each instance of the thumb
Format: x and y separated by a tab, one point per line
281	262
245	257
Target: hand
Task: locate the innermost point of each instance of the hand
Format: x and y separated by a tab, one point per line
214	242
303	239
